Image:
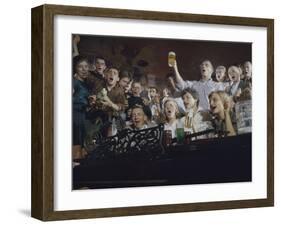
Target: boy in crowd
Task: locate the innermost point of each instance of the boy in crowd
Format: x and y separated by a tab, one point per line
135	98
136	94
100	66
114	99
110	100
138	118
154	103
221	76
125	80
96	79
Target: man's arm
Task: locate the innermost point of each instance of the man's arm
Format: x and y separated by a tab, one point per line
116	100
107	102
178	78
179	82
75	41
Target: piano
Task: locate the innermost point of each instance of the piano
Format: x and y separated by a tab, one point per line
142	158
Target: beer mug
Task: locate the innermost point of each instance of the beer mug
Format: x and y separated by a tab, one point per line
180	135
171	58
167	137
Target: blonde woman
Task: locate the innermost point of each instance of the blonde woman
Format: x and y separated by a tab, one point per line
171	112
220	107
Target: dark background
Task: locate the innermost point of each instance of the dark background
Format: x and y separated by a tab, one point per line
149	55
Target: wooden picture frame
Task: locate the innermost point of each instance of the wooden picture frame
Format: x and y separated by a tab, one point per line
43	112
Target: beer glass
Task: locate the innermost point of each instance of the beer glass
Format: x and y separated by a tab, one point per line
180	135
171	58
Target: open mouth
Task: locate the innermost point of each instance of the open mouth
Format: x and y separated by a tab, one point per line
169	113
110	79
136	121
213	108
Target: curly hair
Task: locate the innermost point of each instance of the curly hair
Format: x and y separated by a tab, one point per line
193	93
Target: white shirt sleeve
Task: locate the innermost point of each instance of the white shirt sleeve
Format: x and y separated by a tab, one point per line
184	85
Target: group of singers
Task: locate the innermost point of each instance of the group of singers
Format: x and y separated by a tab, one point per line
111	100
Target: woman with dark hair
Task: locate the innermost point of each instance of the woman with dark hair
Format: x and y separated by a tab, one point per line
190	99
194	120
79	105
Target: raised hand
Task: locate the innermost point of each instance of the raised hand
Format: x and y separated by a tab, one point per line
92	100
76	39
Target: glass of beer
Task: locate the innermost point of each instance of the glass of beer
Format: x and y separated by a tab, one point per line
171	58
180	135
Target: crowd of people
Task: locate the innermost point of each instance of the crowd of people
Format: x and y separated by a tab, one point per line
111	100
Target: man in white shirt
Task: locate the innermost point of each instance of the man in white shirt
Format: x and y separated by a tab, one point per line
204	86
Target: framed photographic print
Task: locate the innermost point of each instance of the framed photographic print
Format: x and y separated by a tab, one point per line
141	112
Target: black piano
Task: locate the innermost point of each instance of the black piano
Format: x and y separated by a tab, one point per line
142	158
